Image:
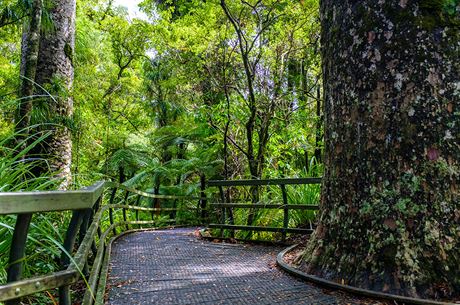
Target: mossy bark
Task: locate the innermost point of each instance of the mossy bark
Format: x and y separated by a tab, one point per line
55	73
390	206
29	55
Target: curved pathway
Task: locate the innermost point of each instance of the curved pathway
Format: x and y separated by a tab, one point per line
174	267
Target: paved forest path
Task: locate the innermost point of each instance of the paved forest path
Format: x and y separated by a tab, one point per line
174	267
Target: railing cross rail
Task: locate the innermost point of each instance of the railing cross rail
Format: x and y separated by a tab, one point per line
227	207
88	210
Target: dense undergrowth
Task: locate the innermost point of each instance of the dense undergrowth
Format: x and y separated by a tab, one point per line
45	238
158	105
296	194
47	229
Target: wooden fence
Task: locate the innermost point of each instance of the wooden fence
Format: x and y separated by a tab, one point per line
92	241
228	207
84	233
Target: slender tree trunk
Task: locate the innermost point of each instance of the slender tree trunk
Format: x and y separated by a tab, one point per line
259	119
252	103
55	72
182	147
227	127
318	125
29	55
307	160
304	80
122	176
250	123
390	207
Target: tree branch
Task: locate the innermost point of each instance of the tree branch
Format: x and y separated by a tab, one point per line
228	138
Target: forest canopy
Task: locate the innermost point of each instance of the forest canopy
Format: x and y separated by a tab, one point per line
190	81
363	95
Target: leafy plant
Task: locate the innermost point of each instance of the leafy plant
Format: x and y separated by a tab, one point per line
16	166
16	174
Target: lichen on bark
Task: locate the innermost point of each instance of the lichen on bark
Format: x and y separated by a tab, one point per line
390	206
55	73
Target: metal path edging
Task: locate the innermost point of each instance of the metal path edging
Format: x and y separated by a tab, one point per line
354	290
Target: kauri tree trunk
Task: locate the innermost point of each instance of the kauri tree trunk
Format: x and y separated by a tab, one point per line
55	73
29	57
390	206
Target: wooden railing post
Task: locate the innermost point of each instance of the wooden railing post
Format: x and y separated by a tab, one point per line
286	212
99	232
69	242
96	208
203	201
227	207
223	217
86	218
125	202
156	201
18	245
112	198
138	199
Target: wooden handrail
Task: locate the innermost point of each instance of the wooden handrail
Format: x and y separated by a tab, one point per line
266	206
259	228
149	195
86	218
287	181
87	208
72	273
285	207
50	201
53	201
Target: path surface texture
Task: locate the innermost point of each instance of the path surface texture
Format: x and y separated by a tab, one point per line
174	267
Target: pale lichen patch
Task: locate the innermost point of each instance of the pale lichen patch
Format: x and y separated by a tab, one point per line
403	3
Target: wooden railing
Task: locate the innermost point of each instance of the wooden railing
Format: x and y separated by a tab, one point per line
87	233
227	223
92	255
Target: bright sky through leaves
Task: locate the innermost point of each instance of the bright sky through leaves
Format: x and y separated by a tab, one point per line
133	9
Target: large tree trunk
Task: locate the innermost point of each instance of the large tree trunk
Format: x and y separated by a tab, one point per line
29	56
390	206
55	72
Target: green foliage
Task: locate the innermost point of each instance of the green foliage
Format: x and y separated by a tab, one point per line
160	108
16	174
296	194
448	6
152	100
12	11
126	160
16	165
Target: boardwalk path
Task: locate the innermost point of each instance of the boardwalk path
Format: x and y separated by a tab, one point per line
173	267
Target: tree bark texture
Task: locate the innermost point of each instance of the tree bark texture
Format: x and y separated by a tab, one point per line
55	72
29	56
390	206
